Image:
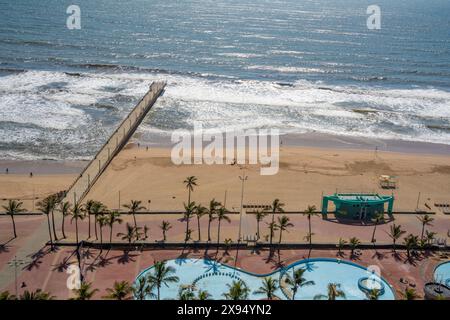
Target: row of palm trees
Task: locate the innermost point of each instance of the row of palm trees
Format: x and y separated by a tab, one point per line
215	211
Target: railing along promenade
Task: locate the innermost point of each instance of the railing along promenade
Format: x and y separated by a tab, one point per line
84	182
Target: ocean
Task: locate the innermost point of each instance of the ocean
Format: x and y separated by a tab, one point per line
298	65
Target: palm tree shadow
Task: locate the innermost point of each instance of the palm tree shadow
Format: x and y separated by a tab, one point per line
64	264
4	248
126	257
379	255
36	258
5	244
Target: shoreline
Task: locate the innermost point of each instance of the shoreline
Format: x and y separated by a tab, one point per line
319	141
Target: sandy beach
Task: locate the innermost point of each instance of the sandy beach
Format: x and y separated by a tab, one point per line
305	174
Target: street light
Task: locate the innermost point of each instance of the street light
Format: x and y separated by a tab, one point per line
15	263
243	178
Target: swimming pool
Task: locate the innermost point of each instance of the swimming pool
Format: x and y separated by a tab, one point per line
213	276
442	273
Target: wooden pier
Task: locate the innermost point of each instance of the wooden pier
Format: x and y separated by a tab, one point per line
115	143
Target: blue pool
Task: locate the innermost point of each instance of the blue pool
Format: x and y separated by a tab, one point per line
213	276
442	273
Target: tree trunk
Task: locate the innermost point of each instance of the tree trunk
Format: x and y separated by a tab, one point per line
53	225
310	233
218	233
187	229
198	224
423	231
89	225
101	239
95	228
62	227
209	229
257	229
281	233
135	226
110	234
373	234
49	232
76	229
14	225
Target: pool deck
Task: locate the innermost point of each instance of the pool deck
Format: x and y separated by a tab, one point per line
47	270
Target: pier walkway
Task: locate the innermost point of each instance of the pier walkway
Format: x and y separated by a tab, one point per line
115	143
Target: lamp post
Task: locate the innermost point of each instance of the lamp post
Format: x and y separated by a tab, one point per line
15	263
243	178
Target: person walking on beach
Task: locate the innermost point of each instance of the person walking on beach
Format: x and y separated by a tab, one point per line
7	170
31	174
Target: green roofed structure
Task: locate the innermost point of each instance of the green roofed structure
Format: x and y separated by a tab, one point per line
358	206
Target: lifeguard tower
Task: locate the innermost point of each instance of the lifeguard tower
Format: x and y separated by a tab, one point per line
358	206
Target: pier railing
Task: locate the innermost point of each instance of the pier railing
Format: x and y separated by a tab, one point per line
118	139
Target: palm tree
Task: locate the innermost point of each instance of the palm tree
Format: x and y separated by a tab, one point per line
268	288
310	212
373	294
227	242
272	228
189	211
238	290
426	220
120	290
354	243
379	217
165	226
36	295
203	295
429	236
200	211
259	216
297	281
162	275
64	208
45	207
53	201
395	233
409	294
186	293
213	205
277	206
334	292
97	209
85	292
133	207
77	214
130	234
102	221
410	243
142	289
5	295
221	215
13	207
341	244
190	183
90	204
283	225
113	217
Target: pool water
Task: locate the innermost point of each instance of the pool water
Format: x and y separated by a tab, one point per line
213	276
442	273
